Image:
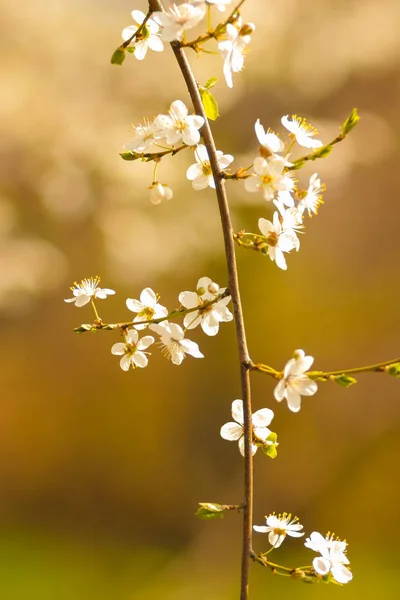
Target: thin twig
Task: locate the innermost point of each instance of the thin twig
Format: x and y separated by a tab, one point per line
233	284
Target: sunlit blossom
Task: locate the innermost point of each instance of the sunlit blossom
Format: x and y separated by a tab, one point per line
313	198
160	192
295	383
200	173
149	37
333	558
147	307
179	19
235	431
208	316
174	344
132	350
279	240
178	125
233	49
278	527
88	290
269	177
302	131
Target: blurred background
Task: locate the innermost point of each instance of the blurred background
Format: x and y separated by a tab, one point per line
101	470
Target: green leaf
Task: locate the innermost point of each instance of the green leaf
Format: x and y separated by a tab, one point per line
394	370
270	451
130	49
209	510
210	104
119	56
345	380
350	122
210	83
130	155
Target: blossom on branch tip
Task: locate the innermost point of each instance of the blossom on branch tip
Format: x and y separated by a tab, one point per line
178	20
313	196
178	125
295	383
278	527
149	37
278	240
88	290
143	138
174	343
209	317
160	192
234	48
132	351
200	173
147	307
260	421
269	177
333	558
301	131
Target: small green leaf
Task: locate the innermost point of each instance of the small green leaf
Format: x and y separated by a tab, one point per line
209	510
345	380
130	49
210	83
130	155
350	122
119	56
394	370
270	451
322	152
210	104
84	328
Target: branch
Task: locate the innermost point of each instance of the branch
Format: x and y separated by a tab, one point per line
233	285
214	33
149	156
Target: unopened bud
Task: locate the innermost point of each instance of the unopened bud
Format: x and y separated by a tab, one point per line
247	29
159	192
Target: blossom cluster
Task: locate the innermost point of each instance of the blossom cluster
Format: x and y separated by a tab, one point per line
207	307
332	560
172	25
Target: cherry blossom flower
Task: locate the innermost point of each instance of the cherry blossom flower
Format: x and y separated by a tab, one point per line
160	192
269	140
295	383
278	527
132	350
143	138
179	125
147	307
333	558
149	37
88	290
269	177
209	317
279	240
301	131
174	343
179	19
313	197
260	421
200	173
233	49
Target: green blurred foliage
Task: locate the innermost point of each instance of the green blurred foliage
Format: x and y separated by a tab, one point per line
101	471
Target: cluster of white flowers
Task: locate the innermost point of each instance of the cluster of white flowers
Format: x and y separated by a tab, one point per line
234	48
207	306
332	559
276	182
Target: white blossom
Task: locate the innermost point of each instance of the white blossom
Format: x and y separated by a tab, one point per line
160	192
149	37
209	317
132	350
333	558
313	197
279	240
147	307
269	140
178	125
222	5
260	421
278	527
295	383
233	49
179	19
301	131
200	173
142	139
87	290
269	177
174	343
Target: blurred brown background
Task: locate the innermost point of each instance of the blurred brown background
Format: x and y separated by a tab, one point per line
100	470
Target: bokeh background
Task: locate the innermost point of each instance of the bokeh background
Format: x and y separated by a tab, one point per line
101	470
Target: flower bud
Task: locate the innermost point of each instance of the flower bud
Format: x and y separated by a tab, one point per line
159	192
213	288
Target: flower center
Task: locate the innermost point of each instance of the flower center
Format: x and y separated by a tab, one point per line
206	168
272	239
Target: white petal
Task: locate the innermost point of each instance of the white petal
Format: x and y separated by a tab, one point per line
265	226
279	391
341	574
177	355
155	43
306	386
132	336
140	359
118	349
261	433
82	300
179	110
293	399
128	32
145	342
190	136
275	539
201	182
231	431
192	320
262	417
194	171
237	411
321	565
140	49
148	298
261	528
138	16
191	348
134	305
125	362
188	299
315	542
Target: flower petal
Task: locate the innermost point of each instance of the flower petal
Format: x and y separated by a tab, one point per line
237	411
262	417
231	431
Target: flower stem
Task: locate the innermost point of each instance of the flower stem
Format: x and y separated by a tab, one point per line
233	284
